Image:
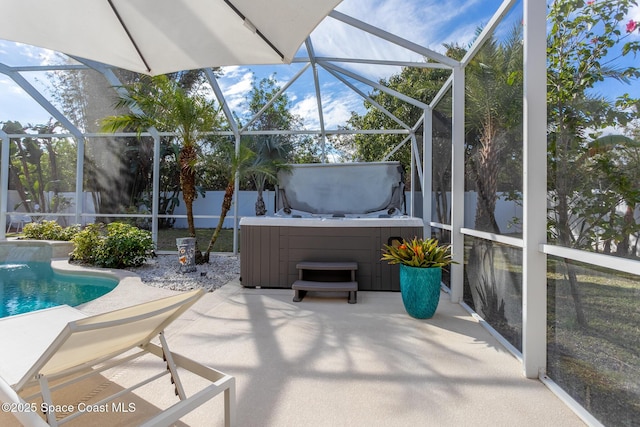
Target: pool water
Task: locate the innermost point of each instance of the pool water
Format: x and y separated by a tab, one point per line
33	286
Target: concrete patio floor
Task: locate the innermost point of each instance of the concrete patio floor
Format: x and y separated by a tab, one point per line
323	362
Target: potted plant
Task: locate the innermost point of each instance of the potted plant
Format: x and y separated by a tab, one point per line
421	262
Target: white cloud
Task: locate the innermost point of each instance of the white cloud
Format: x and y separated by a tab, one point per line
233	71
307	108
236	85
429	24
16	105
337	106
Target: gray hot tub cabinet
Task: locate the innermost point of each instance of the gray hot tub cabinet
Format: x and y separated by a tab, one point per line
270	248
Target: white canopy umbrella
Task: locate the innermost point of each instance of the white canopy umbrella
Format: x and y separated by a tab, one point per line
162	36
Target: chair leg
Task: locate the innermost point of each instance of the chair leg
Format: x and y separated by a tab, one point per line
48	401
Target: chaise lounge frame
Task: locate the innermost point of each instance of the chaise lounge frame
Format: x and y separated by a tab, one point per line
87	346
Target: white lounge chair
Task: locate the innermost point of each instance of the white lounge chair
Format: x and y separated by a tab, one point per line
64	344
18	221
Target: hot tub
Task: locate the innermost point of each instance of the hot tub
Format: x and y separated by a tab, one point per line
322	221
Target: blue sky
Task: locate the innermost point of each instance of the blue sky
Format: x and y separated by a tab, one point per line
429	23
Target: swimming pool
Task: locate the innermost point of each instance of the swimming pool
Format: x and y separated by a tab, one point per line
34	285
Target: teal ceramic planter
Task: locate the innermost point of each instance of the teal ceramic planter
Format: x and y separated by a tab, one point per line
420	289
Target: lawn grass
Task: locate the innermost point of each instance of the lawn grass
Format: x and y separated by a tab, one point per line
597	363
167	239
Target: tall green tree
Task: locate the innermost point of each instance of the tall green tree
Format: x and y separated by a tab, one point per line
41	168
168	107
585	46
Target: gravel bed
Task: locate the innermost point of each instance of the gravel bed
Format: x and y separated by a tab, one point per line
163	272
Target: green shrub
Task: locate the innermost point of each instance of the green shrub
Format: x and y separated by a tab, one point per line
87	242
49	230
69	232
116	245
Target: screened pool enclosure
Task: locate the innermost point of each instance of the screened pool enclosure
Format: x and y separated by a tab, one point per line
512	154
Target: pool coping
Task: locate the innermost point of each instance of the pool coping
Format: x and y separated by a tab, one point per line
130	289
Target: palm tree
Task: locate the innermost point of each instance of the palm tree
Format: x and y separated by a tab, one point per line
166	106
494	94
271	155
240	165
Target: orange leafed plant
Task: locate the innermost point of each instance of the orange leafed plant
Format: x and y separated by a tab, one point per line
418	253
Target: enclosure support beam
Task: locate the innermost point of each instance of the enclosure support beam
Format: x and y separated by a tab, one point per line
534	262
40	99
412	168
213	82
384	35
316	82
155	200
417	159
80	143
396	148
4	183
375	85
457	184
488	30
269	103
427	174
367	97
236	132
236	210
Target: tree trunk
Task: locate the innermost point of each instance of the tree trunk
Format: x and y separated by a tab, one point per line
188	157
575	293
27	175
564	228
226	206
261	208
188	183
41	199
628	226
487	178
17	184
